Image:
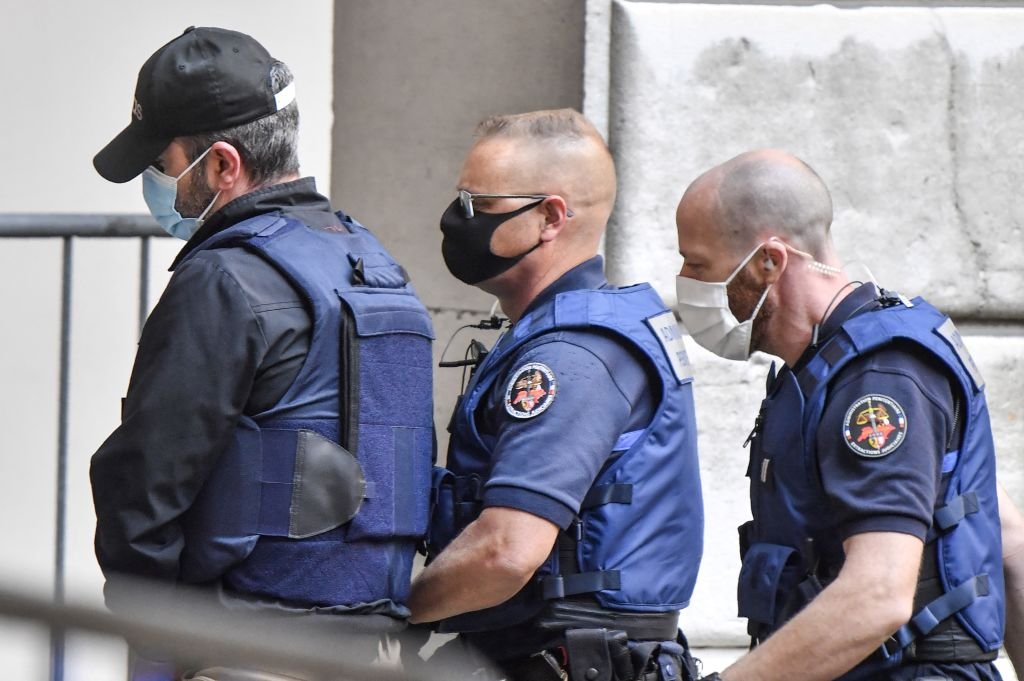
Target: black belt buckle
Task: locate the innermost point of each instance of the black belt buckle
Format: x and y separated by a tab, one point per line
542	666
890	647
557	669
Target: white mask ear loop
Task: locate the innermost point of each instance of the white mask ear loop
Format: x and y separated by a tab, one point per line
743	264
761	301
202	216
193	163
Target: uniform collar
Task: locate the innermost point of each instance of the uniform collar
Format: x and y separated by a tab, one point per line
295	197
587	275
861	299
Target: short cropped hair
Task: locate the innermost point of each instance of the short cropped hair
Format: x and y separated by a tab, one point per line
268	146
540	125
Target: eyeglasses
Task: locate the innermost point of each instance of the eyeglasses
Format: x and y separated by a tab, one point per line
466	200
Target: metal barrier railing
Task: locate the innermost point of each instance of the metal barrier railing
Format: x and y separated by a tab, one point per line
175	620
67	227
186	625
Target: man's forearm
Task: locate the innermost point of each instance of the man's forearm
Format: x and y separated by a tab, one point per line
849	620
488	563
822	642
459	581
1013	568
1014	640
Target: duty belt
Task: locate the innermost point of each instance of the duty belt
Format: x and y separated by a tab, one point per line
604	655
584	613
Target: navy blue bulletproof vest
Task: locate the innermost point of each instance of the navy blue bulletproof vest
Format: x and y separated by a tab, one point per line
789	548
640	529
319	501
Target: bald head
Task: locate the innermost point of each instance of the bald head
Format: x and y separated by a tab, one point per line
558	152
763	193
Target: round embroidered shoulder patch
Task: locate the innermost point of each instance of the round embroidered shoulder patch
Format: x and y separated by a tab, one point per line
875	425
531	391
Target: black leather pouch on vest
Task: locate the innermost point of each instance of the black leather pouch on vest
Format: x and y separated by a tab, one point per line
590	656
441	529
328	486
592	652
745	531
768	571
663	661
606	655
455	502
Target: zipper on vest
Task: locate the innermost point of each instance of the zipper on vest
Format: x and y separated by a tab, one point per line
348	383
759	421
956	424
756	430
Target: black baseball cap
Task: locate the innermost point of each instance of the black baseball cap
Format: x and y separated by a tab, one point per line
204	80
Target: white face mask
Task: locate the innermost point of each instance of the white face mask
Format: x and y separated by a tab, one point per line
704	309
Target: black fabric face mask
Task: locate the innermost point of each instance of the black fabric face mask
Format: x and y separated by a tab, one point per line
466	246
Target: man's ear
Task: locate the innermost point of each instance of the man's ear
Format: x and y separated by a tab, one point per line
224	170
556	214
771	260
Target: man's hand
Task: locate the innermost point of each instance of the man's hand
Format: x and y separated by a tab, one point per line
488	563
143	669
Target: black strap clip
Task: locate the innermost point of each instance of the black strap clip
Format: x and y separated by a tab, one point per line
475	354
887	298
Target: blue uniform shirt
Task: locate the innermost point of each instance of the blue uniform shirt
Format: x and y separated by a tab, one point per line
545	464
895	492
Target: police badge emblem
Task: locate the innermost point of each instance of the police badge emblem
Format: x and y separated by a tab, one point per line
874	426
531	391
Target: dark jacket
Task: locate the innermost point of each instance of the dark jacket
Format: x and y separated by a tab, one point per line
227	338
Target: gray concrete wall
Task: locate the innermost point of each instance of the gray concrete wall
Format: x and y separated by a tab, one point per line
906	111
911	115
411	81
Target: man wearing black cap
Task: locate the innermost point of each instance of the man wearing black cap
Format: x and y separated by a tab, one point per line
261	451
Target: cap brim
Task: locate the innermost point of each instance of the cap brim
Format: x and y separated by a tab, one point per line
128	154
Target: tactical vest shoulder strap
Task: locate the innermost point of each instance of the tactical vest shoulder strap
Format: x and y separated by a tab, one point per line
864	333
929	617
239	233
